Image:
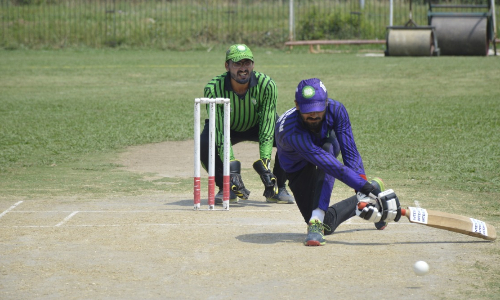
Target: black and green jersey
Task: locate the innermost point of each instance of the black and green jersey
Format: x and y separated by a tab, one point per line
256	107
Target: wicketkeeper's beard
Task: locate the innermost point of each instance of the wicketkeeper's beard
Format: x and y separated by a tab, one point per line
241	81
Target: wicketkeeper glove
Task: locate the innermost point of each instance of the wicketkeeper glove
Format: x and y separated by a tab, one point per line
262	166
236	182
385	203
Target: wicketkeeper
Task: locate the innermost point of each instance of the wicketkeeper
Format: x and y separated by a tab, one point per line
253	116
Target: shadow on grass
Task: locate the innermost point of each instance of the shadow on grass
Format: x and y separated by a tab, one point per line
273	238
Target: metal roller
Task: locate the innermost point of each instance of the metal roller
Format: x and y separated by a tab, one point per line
461	35
410	42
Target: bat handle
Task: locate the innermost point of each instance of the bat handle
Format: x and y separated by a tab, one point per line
362	205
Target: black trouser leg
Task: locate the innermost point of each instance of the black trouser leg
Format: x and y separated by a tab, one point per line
306	187
339	213
250	135
343	210
279	172
303	185
204	148
235	137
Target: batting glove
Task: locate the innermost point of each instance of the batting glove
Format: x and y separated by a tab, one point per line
386	202
370	212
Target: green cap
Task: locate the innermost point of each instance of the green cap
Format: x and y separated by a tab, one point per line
238	52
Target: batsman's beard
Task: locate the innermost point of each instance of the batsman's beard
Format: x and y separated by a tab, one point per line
313	124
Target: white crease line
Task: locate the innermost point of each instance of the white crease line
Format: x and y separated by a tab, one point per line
178	224
67	218
10	208
146	211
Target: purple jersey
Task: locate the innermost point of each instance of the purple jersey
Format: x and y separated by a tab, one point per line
298	146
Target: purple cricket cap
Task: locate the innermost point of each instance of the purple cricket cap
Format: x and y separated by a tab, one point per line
311	95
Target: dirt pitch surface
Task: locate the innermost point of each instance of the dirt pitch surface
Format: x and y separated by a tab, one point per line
157	247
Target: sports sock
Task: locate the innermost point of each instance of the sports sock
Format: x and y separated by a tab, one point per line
318	214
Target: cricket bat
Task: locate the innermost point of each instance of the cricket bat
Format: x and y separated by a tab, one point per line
447	221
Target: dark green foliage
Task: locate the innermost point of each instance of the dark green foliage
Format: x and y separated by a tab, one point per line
324	26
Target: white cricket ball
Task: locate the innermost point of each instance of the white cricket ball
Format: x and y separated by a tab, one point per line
420	268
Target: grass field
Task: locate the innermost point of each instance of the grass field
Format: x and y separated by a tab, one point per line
431	119
432	122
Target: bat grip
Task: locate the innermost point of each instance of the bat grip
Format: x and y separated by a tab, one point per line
362	205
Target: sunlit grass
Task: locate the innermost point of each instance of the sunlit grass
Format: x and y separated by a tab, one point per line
429	119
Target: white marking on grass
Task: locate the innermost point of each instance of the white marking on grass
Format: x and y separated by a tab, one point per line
67	218
145	211
298	224
350	222
10	208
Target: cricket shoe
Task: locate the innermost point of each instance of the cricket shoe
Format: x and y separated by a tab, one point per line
378	183
315	233
220	196
282	197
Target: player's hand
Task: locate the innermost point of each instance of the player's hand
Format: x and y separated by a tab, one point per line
261	166
238	187
386	202
235	180
371	209
391	209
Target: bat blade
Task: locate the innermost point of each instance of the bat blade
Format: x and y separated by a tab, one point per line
451	222
447	221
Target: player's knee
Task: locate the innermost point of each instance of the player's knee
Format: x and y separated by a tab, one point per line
332	148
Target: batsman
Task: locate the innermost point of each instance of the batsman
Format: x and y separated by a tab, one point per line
253	116
310	136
